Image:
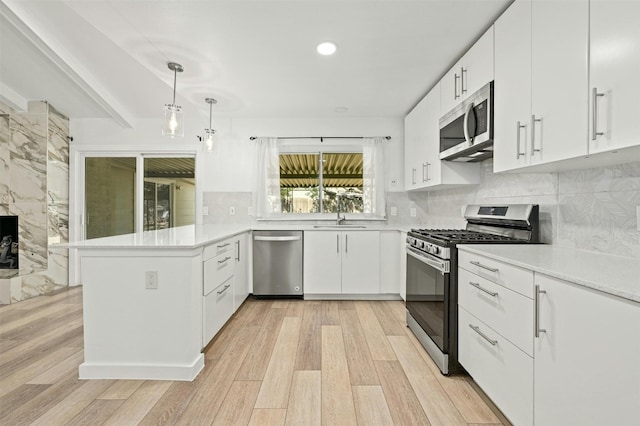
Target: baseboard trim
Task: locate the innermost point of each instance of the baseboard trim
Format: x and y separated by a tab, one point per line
90	370
389	296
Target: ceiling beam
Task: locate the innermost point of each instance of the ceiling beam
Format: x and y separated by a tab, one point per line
10	97
17	16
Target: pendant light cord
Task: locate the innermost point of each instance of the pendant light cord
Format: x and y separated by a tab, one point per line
175	74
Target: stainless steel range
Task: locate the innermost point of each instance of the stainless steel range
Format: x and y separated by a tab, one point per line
432	272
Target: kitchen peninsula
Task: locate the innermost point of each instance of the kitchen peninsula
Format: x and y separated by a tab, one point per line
143	299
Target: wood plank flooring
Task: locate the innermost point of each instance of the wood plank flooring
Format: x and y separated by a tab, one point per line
284	362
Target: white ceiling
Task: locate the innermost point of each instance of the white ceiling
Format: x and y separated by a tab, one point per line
96	58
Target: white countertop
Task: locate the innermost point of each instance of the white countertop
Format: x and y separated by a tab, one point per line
193	236
611	274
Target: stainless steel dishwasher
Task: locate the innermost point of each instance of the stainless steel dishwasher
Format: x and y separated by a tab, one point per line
277	264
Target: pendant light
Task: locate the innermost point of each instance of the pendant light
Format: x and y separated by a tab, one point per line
173	117
210	134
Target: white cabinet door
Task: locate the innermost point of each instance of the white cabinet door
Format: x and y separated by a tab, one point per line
559	80
417	125
586	362
360	260
615	66
512	88
430	170
477	65
241	281
322	262
451	92
390	245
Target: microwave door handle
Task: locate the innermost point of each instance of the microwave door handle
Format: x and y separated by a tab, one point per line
465	126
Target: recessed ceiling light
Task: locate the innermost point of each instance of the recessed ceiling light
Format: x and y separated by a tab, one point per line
341	110
326	48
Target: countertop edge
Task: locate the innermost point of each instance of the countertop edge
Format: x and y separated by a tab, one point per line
594	285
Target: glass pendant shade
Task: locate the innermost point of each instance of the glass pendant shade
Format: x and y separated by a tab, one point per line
173	125
173	121
210	138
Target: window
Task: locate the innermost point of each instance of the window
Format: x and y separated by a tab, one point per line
316	182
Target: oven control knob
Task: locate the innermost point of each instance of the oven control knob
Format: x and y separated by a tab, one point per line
435	250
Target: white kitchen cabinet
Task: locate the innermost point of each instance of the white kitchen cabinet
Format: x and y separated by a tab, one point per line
590	346
541	70
241	272
390	244
423	168
614	66
341	262
495	332
469	74
218	270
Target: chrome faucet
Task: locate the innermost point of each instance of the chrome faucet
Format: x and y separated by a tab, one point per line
339	219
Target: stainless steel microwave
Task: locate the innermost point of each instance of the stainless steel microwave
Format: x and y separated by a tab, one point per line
466	132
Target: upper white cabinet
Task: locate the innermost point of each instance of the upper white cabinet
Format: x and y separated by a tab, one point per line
586	356
423	168
341	262
615	66
470	73
541	53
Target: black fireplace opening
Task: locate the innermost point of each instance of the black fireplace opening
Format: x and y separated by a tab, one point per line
9	242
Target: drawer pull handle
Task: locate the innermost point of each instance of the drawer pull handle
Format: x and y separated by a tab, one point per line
224	260
223	245
484	336
226	287
480	265
479	287
536	321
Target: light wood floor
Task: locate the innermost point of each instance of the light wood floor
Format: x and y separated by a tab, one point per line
275	363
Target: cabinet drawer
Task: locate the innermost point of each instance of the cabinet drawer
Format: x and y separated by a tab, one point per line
503	371
513	277
507	312
217	249
217	309
217	270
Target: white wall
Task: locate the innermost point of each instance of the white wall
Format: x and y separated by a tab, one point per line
230	166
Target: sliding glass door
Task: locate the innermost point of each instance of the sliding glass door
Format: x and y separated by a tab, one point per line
118	199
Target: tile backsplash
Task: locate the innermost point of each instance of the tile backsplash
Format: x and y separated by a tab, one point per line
592	209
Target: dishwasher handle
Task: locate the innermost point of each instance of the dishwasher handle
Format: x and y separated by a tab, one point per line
291	238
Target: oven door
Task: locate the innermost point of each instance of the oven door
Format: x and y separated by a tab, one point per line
427	295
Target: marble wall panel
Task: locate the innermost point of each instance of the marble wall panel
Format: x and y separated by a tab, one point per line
32	228
28	158
5	137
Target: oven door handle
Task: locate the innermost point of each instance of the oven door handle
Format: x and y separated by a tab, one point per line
434	262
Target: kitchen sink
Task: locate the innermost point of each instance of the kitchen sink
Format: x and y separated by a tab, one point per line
340	226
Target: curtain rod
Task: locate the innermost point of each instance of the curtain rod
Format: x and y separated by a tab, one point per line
320	137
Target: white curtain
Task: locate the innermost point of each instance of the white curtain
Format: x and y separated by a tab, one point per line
268	177
374	176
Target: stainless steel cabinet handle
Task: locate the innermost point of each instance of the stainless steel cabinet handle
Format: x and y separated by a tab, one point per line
455	86
224	260
480	265
424	172
462	73
428	169
346	243
237	251
223	245
479	287
518	127
594	125
536	320
413	176
226	287
337	243
484	336
534	120
285	238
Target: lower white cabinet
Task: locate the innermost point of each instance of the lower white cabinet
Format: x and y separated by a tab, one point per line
547	351
587	369
343	262
241	270
218	308
500	368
